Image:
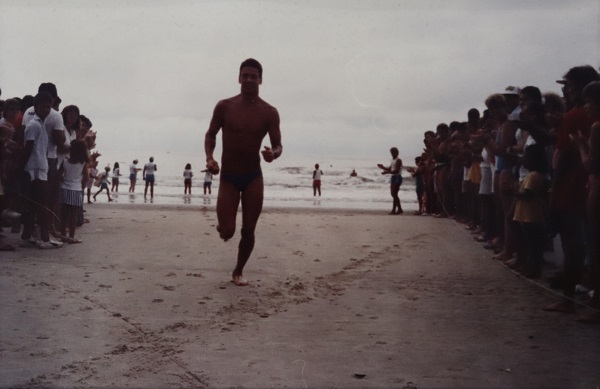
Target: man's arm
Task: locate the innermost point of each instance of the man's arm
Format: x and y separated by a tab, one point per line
273	152
27	152
210	139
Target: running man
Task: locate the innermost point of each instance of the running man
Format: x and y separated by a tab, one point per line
245	119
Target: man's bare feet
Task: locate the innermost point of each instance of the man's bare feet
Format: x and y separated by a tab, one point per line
564	306
219	231
238	280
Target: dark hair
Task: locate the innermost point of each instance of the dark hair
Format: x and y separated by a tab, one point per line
79	152
537	109
554	102
580	76
26	102
49	88
495	101
532	93
188	166
85	120
536	154
473	115
252	63
455	126
591	91
442	127
65	112
42	98
394	150
116	166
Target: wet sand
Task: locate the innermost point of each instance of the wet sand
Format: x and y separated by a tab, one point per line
337	299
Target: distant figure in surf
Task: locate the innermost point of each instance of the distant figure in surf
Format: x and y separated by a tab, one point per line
317	173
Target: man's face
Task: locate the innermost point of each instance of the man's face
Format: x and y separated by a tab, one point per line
569	91
43	110
250	80
593	108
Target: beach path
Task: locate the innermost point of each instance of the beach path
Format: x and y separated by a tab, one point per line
336	299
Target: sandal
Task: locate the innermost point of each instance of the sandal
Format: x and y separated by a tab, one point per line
73	240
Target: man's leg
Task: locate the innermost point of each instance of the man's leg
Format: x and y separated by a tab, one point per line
252	202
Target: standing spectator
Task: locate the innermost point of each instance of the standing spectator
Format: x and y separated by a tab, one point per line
317	173
569	182
208	177
148	175
116	173
74	173
394	169
590	155
531	213
56	136
36	169
133	171
187	179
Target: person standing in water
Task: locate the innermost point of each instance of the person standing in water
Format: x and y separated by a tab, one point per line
148	175
133	171
394	170
245	120
317	173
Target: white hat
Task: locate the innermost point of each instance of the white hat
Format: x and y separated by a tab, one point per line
511	90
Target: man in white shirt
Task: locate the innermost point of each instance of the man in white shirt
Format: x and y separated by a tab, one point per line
36	169
55	129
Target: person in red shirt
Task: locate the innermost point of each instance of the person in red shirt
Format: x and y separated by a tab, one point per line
568	192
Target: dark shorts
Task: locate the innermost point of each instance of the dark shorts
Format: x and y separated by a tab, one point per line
241	180
396	179
149	178
133	177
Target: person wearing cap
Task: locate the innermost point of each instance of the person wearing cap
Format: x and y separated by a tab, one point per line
568	191
55	129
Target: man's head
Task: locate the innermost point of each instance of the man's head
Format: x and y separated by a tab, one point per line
252	63
394	152
316	165
85	123
530	94
42	103
49	88
11	109
591	94
250	76
496	104
151	159
575	80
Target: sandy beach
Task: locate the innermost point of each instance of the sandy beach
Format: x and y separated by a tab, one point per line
337	299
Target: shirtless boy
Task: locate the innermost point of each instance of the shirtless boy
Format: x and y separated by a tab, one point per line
245	119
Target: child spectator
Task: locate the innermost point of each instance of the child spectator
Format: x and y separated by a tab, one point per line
104	183
531	212
187	179
74	173
116	173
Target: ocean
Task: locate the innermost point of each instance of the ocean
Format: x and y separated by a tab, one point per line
288	183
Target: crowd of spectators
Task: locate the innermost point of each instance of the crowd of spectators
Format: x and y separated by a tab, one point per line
45	155
523	171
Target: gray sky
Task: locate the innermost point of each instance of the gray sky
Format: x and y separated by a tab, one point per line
348	77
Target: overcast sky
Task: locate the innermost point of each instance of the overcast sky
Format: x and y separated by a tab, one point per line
348	77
